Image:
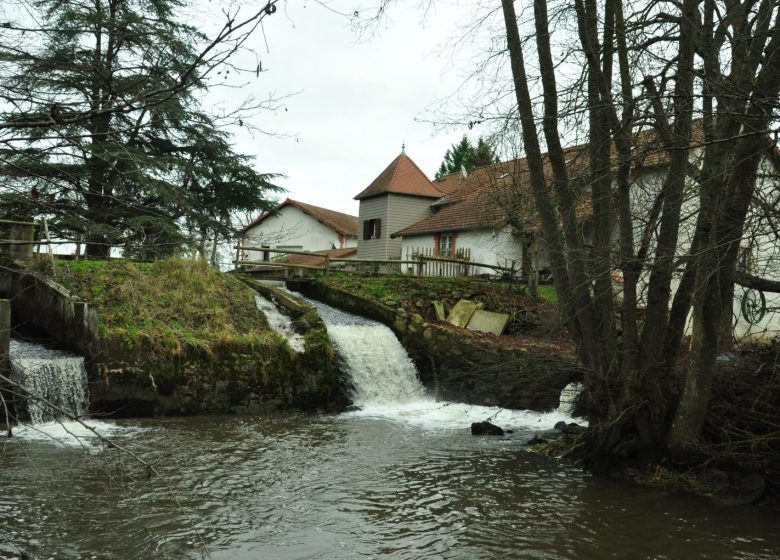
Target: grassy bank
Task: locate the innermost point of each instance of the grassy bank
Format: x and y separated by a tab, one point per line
168	303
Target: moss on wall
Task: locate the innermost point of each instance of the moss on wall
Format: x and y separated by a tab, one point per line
175	337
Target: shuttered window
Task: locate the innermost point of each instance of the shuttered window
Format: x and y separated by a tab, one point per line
444	244
372	229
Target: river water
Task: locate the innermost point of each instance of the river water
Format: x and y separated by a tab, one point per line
400	478
347	486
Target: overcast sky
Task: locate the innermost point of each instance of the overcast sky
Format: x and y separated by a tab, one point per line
357	98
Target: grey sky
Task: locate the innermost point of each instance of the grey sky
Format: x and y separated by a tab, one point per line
357	99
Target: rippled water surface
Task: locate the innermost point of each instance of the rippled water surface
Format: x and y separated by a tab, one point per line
346	486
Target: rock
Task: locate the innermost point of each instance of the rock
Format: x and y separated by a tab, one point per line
569	429
485	429
462	312
536	440
487	321
745	489
438	308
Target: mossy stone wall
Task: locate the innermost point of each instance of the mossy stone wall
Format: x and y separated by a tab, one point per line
141	378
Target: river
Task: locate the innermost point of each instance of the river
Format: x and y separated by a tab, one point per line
347	486
400	478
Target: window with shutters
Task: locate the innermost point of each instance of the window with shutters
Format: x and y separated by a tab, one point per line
444	244
372	229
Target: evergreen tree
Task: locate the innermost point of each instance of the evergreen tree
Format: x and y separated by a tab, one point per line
464	154
123	156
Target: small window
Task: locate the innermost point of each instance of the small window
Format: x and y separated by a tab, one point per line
266	254
372	229
445	244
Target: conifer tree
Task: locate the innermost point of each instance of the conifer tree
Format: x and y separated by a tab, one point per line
110	143
465	154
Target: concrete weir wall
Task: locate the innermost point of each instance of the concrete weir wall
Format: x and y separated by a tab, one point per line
51	309
457	367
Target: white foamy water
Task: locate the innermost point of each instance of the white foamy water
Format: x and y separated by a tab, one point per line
52	381
70	433
280	323
386	384
379	367
59	377
437	415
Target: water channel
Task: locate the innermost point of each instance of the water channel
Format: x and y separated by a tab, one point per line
399	478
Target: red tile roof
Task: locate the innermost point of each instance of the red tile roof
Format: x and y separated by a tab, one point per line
338	221
317	258
402	176
481	200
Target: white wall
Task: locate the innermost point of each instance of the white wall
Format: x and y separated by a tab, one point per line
292	228
758	232
487	246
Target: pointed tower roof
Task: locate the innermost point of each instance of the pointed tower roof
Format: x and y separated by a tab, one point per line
402	176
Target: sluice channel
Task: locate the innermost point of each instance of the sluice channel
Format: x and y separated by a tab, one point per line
399	477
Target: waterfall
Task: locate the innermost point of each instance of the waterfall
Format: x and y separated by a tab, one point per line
568	398
280	323
385	382
378	366
54	375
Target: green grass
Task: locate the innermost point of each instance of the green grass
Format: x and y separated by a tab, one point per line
169	303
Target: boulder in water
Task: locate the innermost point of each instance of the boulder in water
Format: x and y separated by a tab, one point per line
570	429
486	429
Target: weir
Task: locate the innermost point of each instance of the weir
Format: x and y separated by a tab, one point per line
48	375
379	368
385	382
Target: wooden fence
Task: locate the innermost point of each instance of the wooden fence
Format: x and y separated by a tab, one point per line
423	263
459	265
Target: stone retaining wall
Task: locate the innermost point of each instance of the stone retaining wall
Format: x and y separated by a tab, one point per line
131	378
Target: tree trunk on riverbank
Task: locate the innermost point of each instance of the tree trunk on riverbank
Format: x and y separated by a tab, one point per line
632	362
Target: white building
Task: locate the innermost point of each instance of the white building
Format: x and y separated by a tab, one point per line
296	226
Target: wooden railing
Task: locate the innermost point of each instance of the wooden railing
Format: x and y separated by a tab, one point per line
420	263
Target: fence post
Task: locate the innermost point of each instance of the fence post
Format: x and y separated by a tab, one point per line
238	253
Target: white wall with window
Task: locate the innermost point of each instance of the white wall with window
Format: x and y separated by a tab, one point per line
499	247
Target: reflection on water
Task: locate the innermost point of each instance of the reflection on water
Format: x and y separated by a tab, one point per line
344	487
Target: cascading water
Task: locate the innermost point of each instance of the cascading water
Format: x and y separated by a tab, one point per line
57	377
280	323
386	385
378	366
49	376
